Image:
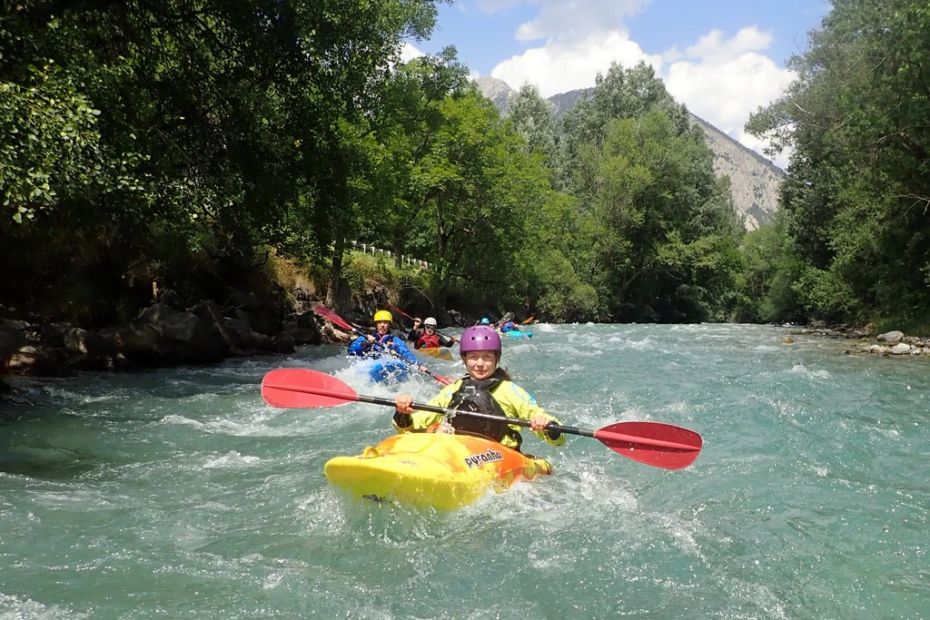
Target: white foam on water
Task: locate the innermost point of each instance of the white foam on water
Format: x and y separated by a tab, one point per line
16	608
182	421
626	343
819	375
231	460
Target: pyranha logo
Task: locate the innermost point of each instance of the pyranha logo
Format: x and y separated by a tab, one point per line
489	456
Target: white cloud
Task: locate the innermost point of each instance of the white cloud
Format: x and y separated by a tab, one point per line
723	80
408	52
565	21
712	47
559	67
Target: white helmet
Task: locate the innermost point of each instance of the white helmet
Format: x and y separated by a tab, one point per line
430	321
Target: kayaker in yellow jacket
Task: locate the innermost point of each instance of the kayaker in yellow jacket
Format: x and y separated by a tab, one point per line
487	389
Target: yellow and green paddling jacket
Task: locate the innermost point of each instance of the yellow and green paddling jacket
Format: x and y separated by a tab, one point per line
507	399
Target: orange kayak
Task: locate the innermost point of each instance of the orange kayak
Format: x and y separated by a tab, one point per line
440	352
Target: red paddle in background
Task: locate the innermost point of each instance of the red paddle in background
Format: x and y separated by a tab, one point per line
399	311
652	443
338	321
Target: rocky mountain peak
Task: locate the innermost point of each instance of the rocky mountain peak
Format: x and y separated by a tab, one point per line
754	180
498	91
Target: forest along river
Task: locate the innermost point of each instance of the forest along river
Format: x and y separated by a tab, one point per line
179	493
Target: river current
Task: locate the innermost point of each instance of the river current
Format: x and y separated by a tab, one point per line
180	494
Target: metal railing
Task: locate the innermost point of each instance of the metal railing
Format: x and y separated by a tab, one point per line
367	248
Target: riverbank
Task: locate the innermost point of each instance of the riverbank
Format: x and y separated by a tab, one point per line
163	335
890	343
168	334
233	313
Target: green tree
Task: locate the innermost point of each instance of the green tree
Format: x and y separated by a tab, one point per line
857	194
401	139
766	284
544	279
662	228
192	127
49	133
533	119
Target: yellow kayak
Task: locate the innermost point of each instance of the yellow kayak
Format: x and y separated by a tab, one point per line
440	352
435	470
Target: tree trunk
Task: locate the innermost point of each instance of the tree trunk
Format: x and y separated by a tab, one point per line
335	273
398	249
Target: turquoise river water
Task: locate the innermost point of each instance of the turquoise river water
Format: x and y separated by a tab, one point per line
180	494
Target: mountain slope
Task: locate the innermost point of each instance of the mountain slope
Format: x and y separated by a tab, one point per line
754	180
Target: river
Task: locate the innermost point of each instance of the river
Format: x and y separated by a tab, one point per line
180	494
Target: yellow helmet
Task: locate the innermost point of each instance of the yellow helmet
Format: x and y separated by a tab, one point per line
383	315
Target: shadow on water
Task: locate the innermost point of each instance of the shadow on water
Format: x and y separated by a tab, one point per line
47	443
46	462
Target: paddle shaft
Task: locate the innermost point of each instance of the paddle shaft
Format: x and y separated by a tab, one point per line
568	430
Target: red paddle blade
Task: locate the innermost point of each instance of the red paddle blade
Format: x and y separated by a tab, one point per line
305	389
333	318
653	443
399	311
441	378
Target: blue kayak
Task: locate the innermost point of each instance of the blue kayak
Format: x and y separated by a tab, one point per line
515	333
384	370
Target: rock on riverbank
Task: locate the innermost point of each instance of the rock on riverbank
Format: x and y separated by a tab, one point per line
162	335
888	343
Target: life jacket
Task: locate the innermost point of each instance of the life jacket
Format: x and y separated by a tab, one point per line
380	342
477	396
428	340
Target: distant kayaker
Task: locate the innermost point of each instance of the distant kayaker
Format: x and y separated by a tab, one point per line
487	389
508	326
382	342
431	339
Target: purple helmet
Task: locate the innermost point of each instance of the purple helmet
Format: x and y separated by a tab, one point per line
480	338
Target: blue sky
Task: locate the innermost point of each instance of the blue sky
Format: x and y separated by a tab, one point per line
721	58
